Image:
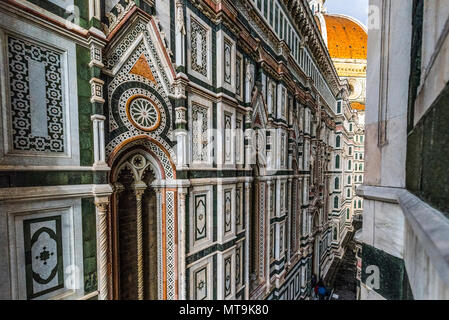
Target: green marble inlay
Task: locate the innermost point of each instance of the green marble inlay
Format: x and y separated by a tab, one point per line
84	106
78	14
89	245
16	179
427	150
393	279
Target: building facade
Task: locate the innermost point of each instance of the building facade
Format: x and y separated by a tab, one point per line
405	226
167	150
346	40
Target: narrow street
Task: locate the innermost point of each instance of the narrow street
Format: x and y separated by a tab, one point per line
345	277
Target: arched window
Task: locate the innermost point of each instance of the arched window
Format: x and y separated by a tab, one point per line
338	106
337	161
337	142
336	202
348	193
337	183
350	151
360	178
349	165
360	204
347	214
355	204
349	179
360	167
350	127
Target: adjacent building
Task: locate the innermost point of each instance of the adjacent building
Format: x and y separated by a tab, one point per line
405	218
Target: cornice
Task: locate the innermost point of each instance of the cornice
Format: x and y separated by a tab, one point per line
52	22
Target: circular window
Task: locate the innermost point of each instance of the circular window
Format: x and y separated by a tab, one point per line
139	161
143	113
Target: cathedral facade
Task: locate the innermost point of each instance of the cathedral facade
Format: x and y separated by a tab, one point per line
170	150
347	40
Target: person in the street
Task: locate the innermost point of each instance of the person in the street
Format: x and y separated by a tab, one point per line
322	291
313	280
314	285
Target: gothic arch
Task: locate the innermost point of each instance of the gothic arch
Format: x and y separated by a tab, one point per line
162	158
141	169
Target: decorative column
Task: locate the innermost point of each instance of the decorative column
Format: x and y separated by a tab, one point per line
139	190
102	205
249	143
247	235
288	220
97	93
180	133
182	234
180	34
95	9
117	188
268	224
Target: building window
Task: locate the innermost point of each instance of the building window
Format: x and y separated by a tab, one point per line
350	151
265	9
347	214
350	127
360	204
336	202
337	183
276	19
349	179
349	193
338	142
337	161
360	167
271	12
349	165
338	106
281	23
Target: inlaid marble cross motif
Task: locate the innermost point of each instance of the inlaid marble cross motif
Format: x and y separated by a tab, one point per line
45	255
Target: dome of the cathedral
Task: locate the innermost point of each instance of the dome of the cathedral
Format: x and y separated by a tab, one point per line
346	38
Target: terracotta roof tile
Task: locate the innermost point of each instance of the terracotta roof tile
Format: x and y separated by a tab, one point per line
346	39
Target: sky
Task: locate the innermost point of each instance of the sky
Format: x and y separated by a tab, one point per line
354	8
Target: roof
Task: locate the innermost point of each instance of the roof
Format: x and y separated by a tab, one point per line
358	106
346	37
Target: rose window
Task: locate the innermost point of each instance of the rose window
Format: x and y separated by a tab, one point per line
143	114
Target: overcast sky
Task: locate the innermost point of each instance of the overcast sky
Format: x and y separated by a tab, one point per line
354	8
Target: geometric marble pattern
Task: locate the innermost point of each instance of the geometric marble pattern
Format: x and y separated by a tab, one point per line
227	276
200	278
200	217
227	62
35	77
198	47
227	211
43	256
199	133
